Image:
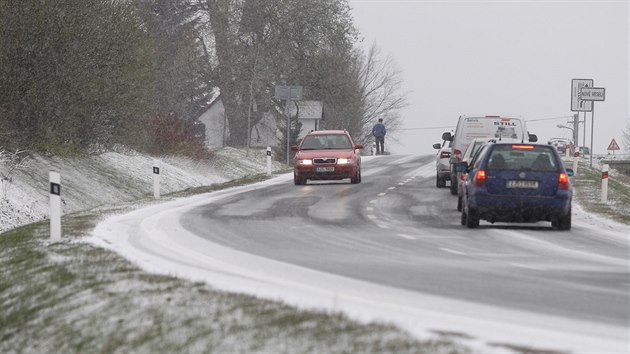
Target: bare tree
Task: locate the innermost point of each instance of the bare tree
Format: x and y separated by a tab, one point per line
380	83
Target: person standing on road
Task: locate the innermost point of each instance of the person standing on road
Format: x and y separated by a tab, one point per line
379	132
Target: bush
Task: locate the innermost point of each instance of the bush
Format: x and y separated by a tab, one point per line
167	134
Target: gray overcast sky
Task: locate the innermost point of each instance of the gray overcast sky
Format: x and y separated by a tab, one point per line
507	57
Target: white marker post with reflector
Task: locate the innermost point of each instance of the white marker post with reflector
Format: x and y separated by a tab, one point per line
55	206
156	179
576	158
268	161
605	183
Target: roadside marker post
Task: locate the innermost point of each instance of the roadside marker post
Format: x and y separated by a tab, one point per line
156	179
55	206
576	159
268	160
605	183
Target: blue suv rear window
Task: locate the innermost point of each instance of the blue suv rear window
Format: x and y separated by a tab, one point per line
522	157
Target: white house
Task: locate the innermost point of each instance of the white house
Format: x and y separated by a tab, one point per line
310	115
264	133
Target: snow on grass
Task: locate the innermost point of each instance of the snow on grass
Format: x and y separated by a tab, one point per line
72	297
115	177
75	297
153	238
587	196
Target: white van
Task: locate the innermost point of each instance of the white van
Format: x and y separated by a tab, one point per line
469	127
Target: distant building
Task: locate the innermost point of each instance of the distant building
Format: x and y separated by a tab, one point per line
265	133
310	114
214	120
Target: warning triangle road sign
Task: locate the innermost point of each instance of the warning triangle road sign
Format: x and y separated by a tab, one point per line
613	145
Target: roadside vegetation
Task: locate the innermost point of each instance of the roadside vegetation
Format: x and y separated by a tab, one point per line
587	184
83	75
72	297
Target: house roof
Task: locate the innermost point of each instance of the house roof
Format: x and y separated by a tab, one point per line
310	109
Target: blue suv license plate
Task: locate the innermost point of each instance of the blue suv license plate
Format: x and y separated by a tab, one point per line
522	184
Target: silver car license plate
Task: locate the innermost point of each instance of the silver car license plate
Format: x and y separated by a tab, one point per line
325	169
522	184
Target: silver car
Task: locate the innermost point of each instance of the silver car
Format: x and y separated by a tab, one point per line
442	163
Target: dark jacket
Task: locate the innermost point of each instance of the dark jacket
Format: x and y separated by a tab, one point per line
379	130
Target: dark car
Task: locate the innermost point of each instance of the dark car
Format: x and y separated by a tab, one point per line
512	182
327	155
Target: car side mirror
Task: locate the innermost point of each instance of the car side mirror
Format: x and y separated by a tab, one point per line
570	172
294	148
461	166
533	138
447	136
437	146
358	146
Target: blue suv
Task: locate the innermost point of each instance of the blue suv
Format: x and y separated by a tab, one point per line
517	182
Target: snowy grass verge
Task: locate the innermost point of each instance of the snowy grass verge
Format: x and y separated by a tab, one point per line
111	178
587	184
74	297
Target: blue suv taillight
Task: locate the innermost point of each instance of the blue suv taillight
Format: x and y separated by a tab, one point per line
563	181
480	178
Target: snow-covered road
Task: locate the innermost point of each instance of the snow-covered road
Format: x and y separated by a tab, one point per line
392	249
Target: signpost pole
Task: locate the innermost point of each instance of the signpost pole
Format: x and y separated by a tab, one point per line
288	96
576	132
592	127
288	125
584	132
268	160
